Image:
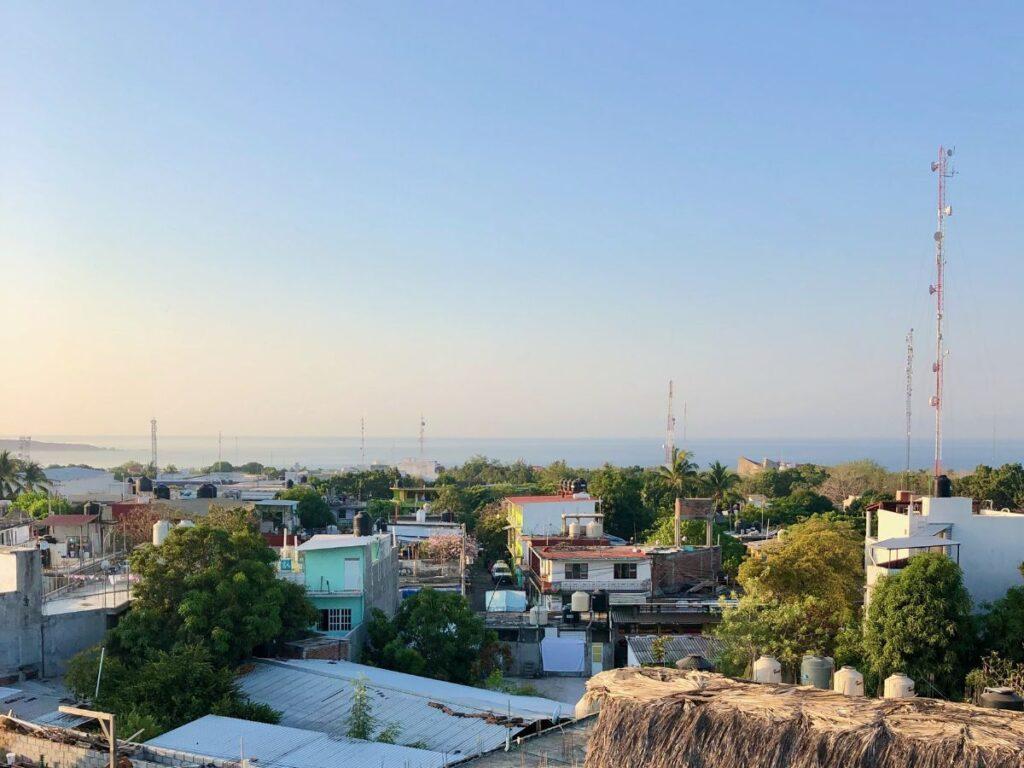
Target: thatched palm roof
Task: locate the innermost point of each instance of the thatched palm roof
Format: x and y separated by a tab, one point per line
661	718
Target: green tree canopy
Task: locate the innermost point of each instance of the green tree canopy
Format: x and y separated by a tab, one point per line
434	634
313	509
621	492
1004	486
919	622
39	504
1002	626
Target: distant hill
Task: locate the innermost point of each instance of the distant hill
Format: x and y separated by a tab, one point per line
13	444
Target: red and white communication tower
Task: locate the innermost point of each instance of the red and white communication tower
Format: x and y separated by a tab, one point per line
941	167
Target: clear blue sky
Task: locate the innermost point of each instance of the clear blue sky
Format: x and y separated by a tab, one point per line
519	218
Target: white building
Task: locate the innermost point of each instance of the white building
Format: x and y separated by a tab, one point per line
987	543
547	516
555	572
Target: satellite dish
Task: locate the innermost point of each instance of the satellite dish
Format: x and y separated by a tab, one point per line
938	236
935	166
949	153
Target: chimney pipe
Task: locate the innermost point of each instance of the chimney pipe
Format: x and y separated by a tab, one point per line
678	521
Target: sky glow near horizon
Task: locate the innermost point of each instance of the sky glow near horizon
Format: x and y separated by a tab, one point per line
519	220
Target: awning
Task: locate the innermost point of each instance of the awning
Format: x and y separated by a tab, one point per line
914	542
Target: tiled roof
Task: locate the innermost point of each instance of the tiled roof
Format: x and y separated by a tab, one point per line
66	520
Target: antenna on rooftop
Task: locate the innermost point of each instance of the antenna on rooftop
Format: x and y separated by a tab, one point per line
152	446
940	167
423	426
910	392
670	431
362	441
25	447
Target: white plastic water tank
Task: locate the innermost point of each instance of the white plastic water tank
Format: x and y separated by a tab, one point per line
848	681
899	686
574	530
186	524
538	616
160	530
767	670
580	601
594	529
421	515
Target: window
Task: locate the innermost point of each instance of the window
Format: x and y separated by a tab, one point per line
625	570
335	620
576	571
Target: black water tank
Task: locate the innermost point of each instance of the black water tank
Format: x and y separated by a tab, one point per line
382	525
362	525
206	491
599	601
131	484
943	487
447	517
93	508
289	483
1002	698
161	491
145	485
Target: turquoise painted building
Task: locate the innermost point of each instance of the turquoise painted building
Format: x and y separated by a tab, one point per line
345	577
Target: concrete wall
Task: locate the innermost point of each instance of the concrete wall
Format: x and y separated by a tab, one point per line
21	599
66	634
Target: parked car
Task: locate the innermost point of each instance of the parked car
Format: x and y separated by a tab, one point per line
500	572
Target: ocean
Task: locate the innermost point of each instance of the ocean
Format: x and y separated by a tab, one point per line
335	452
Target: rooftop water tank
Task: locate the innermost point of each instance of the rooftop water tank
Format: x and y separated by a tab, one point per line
816	671
186	524
1001	698
160	530
145	485
848	681
93	508
362	525
206	491
594	529
767	670
580	601
161	491
898	686
574	530
694	661
421	515
538	616
943	487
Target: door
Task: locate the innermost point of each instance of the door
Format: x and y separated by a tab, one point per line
596	658
353	574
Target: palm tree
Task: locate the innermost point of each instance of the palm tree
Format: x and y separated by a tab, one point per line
720	483
33	478
682	475
682	478
10	476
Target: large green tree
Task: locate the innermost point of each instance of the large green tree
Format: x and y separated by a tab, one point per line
800	595
10	475
1002	625
39	504
919	622
205	599
434	634
313	509
1004	486
620	490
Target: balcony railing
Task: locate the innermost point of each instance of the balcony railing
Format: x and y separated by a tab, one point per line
298	577
592	585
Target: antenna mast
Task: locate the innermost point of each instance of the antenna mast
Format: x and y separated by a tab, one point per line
910	392
940	167
152	446
362	441
423	425
670	431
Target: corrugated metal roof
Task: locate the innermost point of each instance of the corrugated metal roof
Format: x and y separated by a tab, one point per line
277	746
336	540
443	717
676	648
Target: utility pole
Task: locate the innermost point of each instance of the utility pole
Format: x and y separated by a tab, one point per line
152	446
670	431
940	167
910	393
